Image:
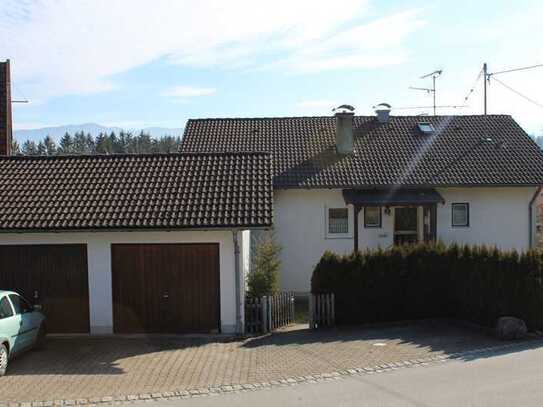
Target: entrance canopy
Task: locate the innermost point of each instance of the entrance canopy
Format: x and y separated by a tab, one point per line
398	197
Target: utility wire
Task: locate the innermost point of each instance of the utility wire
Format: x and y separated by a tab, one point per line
428	107
516	69
23	100
519	94
472	89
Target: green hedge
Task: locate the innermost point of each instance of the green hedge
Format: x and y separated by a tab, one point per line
473	283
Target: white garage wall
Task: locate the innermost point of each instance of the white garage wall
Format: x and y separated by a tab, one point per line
99	265
498	216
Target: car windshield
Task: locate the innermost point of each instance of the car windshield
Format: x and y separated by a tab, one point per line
20	305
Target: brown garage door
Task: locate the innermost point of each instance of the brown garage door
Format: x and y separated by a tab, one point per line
165	288
54	276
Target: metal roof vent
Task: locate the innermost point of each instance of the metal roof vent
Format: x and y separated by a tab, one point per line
426	128
383	112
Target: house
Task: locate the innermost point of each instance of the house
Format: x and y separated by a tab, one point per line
347	182
161	243
130	243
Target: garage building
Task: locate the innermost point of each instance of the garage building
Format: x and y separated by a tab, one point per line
154	243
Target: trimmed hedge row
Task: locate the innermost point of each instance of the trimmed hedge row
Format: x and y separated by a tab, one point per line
473	283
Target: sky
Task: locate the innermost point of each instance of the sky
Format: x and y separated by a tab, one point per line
135	64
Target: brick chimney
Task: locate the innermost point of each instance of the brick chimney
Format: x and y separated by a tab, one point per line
5	109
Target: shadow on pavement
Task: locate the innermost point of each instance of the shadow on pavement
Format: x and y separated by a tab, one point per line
451	338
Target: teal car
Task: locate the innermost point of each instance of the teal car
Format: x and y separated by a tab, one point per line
22	326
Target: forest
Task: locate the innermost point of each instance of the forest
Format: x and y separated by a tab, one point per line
84	144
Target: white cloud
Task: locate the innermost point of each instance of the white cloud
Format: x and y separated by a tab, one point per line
63	47
183	92
372	45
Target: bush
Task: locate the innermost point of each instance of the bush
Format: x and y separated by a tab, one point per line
473	283
264	276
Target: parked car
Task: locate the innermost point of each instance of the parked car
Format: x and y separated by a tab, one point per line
22	327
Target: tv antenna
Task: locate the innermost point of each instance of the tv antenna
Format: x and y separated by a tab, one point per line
434	75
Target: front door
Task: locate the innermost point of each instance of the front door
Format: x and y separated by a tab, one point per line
406	225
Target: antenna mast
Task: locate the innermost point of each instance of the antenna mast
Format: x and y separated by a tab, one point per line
486	77
434	75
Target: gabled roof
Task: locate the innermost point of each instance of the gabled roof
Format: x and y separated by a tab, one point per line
161	191
464	150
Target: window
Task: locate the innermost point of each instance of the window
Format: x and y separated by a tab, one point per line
460	214
426	128
338	221
372	217
20	305
5	308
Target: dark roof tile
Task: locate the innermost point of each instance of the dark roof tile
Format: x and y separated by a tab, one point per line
160	191
396	153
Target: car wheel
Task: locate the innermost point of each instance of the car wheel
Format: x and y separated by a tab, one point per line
4	355
40	340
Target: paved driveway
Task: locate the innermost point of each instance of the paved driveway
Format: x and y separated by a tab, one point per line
493	379
93	368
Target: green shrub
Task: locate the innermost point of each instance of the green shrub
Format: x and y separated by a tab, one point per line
264	276
474	283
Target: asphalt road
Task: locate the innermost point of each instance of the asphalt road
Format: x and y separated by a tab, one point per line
511	379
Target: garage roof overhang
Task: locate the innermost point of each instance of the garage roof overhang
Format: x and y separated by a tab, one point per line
391	197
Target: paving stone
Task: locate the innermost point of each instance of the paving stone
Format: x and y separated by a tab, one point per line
126	368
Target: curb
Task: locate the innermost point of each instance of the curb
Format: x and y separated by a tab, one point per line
246	387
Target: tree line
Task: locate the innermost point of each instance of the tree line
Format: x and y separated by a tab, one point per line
123	143
104	143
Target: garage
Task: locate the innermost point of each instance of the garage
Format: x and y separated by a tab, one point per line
54	276
166	288
136	243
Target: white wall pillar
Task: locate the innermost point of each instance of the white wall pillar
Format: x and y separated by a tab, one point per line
100	292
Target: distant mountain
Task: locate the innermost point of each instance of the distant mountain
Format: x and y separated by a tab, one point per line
94	129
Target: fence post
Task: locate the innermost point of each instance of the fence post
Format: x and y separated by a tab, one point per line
333	310
311	312
270	303
264	313
292	307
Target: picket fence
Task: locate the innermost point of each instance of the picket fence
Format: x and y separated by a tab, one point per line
268	313
321	310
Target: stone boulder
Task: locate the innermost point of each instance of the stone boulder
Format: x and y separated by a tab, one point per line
510	328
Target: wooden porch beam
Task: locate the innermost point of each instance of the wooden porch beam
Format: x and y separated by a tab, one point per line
355	221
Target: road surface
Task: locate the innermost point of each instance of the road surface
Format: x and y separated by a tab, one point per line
511	379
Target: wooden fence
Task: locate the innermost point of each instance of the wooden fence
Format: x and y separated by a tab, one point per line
321	310
266	314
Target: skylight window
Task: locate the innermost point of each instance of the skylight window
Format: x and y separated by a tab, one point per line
426	128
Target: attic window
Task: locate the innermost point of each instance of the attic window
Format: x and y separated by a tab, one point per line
426	128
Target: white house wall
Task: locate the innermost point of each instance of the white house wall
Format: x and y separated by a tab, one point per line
99	266
498	216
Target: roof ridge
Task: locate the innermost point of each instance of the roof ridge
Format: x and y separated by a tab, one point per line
129	155
203	119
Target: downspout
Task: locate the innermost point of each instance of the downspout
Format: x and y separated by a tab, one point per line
237	273
531	215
